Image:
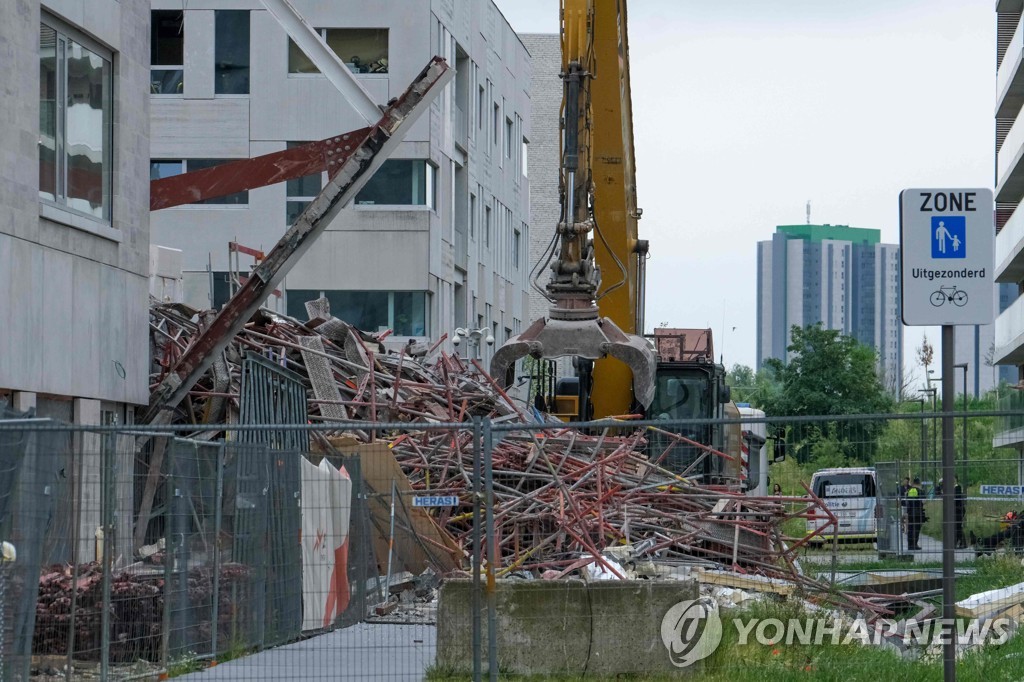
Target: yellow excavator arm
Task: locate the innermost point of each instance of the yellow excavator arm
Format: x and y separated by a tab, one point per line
596	263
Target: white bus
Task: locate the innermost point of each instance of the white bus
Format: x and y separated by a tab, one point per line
849	493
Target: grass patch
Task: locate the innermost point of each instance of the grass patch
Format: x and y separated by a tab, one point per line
183	665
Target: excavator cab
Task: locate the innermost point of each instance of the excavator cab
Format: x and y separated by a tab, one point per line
690	385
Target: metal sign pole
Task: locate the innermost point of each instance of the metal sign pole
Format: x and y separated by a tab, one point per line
948	501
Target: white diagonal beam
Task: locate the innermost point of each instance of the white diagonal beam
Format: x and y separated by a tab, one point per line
299	30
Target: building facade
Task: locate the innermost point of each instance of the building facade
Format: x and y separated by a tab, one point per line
841	276
1009	182
438	237
74	208
545	155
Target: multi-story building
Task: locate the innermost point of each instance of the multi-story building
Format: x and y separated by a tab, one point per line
975	348
545	155
1009	181
841	276
74	211
436	240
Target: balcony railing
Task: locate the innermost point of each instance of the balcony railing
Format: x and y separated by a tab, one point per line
1010	59
1008	243
1011	146
1012	400
1009	328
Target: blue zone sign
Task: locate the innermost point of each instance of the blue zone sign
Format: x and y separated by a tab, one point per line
947	249
435	501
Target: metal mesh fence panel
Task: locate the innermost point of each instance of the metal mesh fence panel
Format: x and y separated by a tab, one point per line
528	549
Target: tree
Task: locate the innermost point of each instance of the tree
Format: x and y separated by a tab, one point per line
748	386
829	374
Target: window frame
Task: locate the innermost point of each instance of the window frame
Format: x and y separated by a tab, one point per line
217	14
58	209
430	190
169	67
391	306
289	198
321	32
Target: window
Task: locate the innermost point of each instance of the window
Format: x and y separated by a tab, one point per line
508	138
404	312
300	191
75	129
220	293
363	50
231	52
496	130
167	52
525	157
516	238
165	168
400	182
481	112
472	216
487	226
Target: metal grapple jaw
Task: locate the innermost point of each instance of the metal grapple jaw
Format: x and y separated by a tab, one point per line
593	338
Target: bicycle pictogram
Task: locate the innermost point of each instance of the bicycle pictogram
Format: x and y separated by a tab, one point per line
951	294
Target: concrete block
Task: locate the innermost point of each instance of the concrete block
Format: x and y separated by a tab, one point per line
24	401
564	627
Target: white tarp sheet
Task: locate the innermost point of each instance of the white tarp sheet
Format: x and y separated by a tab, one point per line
326	510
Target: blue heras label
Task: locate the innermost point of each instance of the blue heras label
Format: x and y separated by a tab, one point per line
435	501
949	236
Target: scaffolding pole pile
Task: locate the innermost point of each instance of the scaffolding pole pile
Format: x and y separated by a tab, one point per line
564	499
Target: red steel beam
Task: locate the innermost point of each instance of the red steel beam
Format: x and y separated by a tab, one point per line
245	174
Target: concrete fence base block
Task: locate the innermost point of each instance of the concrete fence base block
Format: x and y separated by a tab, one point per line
563	626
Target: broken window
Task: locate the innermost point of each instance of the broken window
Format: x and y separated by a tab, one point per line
165	168
167	52
363	50
75	124
400	182
231	52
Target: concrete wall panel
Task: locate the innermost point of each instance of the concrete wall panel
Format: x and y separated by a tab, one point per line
200	128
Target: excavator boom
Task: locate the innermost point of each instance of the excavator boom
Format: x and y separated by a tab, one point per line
596	284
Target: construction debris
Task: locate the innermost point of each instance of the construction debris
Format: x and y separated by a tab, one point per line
564	498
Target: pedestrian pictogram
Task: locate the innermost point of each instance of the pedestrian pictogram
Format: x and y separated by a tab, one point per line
949	236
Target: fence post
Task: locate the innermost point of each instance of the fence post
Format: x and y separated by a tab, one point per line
76	501
477	489
165	637
492	555
106	511
8	555
218	504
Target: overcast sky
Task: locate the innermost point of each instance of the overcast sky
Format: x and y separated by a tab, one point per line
744	110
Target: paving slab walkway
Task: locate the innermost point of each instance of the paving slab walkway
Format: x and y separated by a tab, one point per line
366	651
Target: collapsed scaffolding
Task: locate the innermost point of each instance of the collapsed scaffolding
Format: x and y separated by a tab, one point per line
566	501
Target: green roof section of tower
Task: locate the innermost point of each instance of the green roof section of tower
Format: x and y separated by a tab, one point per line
845	233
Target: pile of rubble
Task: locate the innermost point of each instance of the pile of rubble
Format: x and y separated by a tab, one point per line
561	495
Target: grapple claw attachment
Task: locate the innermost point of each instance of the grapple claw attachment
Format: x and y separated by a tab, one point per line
592	339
